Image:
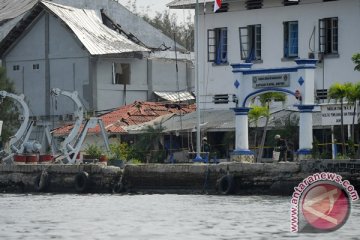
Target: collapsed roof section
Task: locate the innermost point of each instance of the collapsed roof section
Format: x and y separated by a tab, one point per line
86	25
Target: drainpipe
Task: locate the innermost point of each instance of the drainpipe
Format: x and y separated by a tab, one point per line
149	79
47	67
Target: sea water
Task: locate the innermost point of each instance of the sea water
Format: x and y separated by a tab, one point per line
168	216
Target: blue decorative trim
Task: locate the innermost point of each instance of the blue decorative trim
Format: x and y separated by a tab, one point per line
270	89
266	71
305	108
301	81
306	61
198	158
304	151
243	152
241	65
241	110
306	67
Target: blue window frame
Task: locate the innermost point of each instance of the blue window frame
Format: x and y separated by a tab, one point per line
250	43
291	39
217	45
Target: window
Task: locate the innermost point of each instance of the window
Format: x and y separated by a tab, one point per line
250	43
291	38
221	99
16	68
36	66
328	35
253	4
121	73
290	2
217	45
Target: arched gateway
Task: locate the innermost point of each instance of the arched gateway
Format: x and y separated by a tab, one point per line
251	82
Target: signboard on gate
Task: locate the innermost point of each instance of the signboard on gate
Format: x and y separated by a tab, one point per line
331	114
264	81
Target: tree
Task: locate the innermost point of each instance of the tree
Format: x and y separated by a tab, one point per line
356	59
255	114
353	95
8	113
168	24
338	92
265	100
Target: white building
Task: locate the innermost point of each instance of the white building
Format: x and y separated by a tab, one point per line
252	46
110	56
271	34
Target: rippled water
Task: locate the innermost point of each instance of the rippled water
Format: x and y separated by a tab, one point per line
154	217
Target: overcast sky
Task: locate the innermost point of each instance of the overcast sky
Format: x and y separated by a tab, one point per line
157	6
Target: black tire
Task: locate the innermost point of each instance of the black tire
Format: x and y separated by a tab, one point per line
118	188
41	182
225	185
81	182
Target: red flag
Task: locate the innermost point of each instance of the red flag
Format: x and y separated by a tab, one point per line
217	5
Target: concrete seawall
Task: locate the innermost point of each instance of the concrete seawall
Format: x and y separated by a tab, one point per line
223	178
246	178
60	178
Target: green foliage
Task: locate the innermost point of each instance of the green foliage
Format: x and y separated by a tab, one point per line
315	152
351	149
8	112
168	24
257	112
267	97
134	161
338	91
120	151
94	151
356	59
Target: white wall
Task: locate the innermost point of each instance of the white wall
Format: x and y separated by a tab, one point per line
69	67
220	79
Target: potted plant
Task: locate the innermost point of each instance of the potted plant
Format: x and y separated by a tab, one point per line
118	153
92	154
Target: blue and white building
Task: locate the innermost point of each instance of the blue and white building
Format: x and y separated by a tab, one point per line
250	46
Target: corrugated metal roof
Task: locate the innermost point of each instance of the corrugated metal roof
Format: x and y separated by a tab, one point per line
9	10
180	4
93	34
12	11
175	96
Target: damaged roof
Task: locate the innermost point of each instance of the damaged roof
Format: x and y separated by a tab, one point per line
185	4
11	12
137	113
87	26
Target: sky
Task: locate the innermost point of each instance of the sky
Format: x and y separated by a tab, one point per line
158	6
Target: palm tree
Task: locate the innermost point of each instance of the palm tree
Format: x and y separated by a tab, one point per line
353	95
338	92
265	100
356	59
255	114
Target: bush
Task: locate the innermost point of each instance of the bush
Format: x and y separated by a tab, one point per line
93	151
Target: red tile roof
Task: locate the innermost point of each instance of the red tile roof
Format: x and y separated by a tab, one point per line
133	114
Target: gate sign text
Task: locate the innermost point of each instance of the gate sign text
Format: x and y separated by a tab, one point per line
282	80
331	114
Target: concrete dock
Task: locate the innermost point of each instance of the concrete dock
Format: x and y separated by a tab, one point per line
223	178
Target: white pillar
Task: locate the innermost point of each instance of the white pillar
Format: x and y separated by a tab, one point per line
242	130
306	70
305	127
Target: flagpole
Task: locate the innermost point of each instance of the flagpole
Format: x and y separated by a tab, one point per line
198	156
